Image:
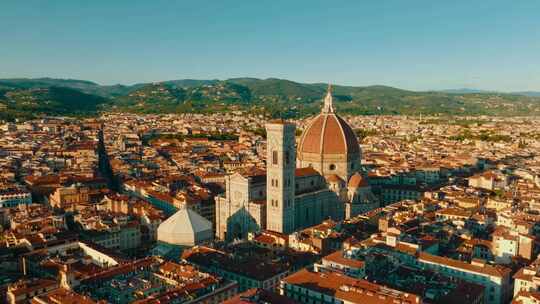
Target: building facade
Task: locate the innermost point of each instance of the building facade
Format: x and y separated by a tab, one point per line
301	187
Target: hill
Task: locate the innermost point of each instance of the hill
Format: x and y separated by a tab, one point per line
84	86
41	83
188	83
171	97
469	91
529	93
465	91
281	88
278	97
31	103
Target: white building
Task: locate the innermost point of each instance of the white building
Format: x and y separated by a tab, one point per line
185	228
489	180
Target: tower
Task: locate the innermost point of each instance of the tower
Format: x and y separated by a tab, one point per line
280	183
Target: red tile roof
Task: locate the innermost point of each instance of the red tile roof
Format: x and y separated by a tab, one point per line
349	289
328	134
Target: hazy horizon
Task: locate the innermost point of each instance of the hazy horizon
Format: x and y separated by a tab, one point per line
224	79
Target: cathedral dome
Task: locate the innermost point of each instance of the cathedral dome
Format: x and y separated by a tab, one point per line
327	134
357	181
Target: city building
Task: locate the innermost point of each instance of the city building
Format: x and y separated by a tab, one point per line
307	286
301	186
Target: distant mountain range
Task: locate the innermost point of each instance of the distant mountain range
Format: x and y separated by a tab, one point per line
28	98
477	91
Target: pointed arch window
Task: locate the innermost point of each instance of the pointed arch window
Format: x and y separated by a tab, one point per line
274	157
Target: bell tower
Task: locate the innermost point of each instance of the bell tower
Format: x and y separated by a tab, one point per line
280	181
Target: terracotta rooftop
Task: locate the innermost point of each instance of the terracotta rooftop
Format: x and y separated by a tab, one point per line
333	178
486	269
64	296
337	257
307	171
349	289
258	295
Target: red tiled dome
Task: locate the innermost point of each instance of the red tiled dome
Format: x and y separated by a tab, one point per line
357	181
328	134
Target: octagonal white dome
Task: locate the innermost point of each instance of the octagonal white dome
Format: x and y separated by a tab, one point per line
185	228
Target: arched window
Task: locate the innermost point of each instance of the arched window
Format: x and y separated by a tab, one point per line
274	157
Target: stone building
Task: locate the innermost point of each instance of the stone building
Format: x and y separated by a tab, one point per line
302	186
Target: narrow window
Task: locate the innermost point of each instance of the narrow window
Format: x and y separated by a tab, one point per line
274	158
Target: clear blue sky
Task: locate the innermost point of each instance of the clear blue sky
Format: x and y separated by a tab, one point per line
486	44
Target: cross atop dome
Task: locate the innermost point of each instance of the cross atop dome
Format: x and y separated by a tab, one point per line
328	102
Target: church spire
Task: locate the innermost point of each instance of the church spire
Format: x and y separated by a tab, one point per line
328	102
